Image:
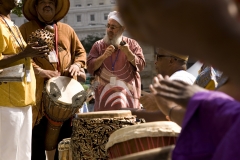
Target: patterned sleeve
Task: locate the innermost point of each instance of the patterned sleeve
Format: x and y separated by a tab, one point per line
139	57
93	55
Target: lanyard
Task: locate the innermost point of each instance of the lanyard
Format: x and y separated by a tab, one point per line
113	63
56	47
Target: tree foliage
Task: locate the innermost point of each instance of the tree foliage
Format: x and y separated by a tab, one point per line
89	41
18	10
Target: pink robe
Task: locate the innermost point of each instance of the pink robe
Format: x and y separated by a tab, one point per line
126	90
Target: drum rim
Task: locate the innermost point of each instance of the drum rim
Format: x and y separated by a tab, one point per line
105	114
47	87
146	152
149	129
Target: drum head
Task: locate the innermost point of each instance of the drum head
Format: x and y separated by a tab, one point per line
105	114
67	86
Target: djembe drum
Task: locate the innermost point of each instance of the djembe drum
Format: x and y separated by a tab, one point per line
64	149
62	98
142	137
92	130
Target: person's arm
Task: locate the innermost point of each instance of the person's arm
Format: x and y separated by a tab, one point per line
77	51
95	59
32	50
82	75
98	62
134	53
129	54
173	97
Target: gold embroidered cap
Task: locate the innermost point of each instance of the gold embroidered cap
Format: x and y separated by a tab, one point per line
30	13
181	56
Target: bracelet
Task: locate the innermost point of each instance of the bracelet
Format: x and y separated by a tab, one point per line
170	111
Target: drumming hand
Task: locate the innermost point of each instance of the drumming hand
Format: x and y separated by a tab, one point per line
176	91
163	104
48	74
148	102
74	70
34	50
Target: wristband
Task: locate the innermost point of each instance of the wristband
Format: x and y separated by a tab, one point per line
170	111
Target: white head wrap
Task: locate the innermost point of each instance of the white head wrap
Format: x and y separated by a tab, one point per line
115	15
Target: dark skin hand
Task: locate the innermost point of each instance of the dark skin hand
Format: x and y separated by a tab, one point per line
176	91
148	102
32	50
173	96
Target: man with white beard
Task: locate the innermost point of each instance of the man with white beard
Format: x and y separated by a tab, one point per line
116	61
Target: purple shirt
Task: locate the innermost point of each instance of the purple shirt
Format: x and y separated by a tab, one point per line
126	90
210	128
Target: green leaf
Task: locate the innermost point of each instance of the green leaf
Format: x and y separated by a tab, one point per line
18	10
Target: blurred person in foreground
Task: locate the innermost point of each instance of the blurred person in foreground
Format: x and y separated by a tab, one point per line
116	67
210	120
209	31
206	30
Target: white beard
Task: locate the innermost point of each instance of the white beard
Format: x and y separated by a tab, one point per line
115	41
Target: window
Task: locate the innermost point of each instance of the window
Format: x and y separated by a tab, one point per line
105	16
78	5
113	1
79	18
101	3
89	4
92	17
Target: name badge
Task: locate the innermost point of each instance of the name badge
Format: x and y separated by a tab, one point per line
113	81
52	56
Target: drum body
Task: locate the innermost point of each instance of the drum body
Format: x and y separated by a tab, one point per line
162	153
64	149
92	130
142	137
59	105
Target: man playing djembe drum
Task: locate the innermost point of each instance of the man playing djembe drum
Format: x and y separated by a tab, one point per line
70	55
116	67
